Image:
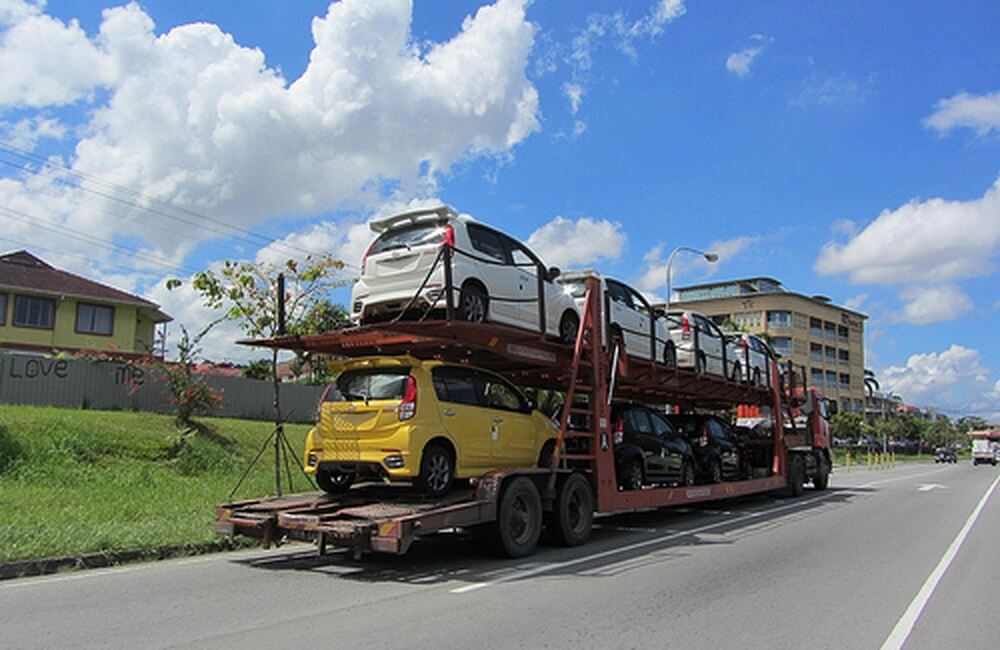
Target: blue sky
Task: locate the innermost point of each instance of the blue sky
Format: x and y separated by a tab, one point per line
849	149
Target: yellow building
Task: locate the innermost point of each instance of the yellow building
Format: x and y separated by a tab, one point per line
44	309
827	339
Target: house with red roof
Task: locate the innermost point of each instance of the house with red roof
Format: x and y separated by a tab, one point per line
46	310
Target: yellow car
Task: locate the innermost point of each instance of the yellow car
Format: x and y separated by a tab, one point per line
403	419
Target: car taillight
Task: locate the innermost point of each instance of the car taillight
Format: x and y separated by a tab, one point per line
685	329
619	431
449	236
364	260
408	407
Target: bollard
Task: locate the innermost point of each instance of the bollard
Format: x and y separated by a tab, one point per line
847	461
869	459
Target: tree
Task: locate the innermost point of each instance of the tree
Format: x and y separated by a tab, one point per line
248	294
258	369
848	425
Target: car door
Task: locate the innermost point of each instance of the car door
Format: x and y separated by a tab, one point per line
725	442
672	454
470	425
624	313
528	268
493	267
640	427
514	433
710	342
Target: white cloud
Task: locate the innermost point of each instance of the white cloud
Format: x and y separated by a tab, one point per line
739	63
192	118
932	304
922	241
953	380
574	93
564	242
856	302
26	133
980	113
830	91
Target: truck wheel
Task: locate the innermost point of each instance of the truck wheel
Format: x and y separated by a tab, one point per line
796	476
519	518
570	523
333	482
437	469
822	477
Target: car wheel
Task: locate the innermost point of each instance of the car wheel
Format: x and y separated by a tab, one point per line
569	327
737	372
519	518
715	472
670	355
333	482
571	521
437	470
632	475
472	303
687	474
545	455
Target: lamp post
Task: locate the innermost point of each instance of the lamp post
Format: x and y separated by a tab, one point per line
709	257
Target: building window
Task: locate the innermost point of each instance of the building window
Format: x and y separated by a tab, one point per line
842	333
830	331
845	381
782	345
816	352
831	355
816	376
3	309
95	319
779	319
844	357
816	327
31	311
831	379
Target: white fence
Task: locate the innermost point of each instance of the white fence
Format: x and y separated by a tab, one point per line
76	383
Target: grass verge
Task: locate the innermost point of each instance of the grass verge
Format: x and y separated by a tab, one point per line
79	483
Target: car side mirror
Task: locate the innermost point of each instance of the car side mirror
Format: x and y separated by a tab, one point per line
552	273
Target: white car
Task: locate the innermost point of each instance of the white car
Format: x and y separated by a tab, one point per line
494	277
697	342
630	316
750	358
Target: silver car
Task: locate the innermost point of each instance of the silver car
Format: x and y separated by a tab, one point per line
494	277
697	342
750	358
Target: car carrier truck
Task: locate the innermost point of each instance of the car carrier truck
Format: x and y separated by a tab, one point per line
510	507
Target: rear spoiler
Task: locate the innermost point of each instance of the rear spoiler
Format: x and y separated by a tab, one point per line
413	216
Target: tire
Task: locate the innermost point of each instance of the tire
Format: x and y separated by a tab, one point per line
687	474
670	355
715	473
796	476
633	475
821	480
545	455
569	327
571	521
437	470
519	518
334	482
737	372
473	303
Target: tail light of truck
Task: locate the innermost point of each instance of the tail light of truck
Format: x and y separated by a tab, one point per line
408	407
619	432
685	329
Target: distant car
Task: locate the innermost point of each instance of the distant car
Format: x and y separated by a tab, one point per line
750	356
648	449
403	419
945	455
715	444
495	277
629	316
698	342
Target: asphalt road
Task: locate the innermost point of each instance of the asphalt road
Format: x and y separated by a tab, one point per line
906	557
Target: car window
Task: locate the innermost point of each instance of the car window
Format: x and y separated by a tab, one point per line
416	235
520	255
488	243
661	427
369	384
457	385
576	288
716	430
637	421
501	395
638	302
619	293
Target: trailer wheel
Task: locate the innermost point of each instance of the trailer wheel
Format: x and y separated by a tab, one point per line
334	482
519	518
796	476
570	523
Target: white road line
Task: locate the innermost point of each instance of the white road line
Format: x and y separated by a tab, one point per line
905	624
548	568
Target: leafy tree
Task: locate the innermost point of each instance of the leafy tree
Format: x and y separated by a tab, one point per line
247	293
849	425
258	369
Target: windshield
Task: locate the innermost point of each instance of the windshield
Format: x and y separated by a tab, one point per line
408	237
369	384
576	288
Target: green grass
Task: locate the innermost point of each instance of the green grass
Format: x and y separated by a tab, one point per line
80	482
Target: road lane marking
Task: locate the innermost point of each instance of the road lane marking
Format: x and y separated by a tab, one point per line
548	568
905	624
927	487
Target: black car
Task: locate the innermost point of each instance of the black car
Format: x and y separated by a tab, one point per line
648	449
945	455
715	444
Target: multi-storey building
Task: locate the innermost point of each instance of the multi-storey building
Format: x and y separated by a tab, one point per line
44	309
810	330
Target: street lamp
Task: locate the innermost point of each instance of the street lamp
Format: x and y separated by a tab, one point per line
709	257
